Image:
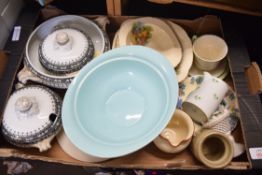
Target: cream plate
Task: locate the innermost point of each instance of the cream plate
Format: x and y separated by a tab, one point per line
163	38
217	72
228	103
187	51
115	43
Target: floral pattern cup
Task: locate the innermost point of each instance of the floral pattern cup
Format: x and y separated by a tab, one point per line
203	102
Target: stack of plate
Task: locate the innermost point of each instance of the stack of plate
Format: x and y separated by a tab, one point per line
58	48
164	36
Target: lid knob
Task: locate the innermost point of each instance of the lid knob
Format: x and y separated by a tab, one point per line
23	104
62	38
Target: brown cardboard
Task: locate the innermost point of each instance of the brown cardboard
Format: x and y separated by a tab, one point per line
149	157
3	61
249	7
254	77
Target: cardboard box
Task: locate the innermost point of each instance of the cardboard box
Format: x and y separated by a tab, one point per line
147	158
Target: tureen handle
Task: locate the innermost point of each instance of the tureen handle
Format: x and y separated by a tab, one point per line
25	74
102	21
62	38
44	144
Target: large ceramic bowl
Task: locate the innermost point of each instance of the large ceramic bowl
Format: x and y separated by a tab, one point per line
42	31
120	102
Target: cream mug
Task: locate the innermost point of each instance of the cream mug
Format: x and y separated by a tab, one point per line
214	149
203	102
209	50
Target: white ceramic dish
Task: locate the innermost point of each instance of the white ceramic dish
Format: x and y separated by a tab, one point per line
32	115
120	101
66	50
184	66
163	38
39	34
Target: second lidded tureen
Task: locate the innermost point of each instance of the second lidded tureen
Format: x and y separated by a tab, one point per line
32	117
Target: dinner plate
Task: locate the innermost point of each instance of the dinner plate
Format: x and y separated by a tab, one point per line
229	102
162	38
186	62
120	102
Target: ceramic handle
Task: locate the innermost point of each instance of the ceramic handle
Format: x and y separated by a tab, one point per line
25	74
102	21
44	144
62	38
254	77
23	104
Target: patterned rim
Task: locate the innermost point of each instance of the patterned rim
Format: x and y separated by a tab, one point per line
47	131
72	65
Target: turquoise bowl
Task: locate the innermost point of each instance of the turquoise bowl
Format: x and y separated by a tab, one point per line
120	101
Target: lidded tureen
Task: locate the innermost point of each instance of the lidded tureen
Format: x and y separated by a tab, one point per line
32	117
66	50
59	47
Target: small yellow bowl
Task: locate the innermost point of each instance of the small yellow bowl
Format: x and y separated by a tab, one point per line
177	135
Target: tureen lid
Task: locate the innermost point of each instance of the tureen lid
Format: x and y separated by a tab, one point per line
31	115
66	50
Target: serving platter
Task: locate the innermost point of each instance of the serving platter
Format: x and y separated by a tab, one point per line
161	37
184	66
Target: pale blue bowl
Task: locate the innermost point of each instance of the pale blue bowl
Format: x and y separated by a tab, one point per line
120	101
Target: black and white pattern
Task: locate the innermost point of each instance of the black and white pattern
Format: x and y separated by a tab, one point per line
22	132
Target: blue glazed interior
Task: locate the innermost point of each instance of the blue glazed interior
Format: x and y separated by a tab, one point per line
120	101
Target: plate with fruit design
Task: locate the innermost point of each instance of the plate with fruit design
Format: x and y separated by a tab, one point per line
153	33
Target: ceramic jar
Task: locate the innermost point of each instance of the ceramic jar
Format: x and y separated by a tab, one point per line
32	117
212	148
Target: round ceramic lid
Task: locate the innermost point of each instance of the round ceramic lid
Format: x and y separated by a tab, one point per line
32	114
66	50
